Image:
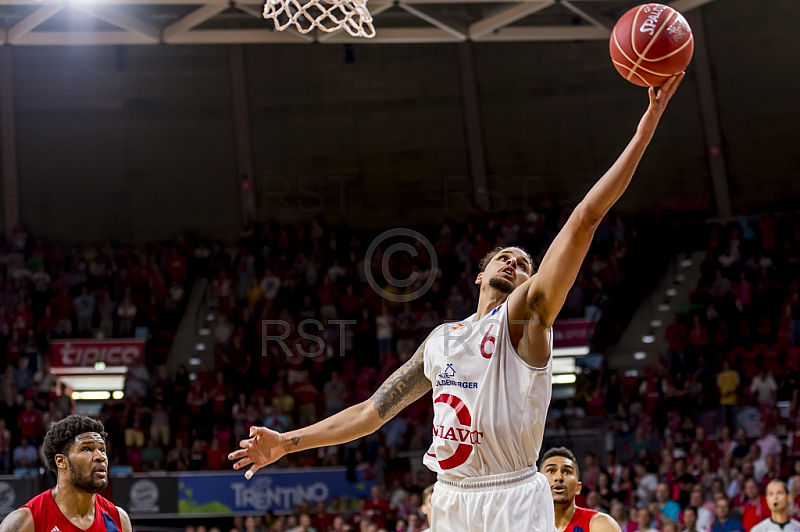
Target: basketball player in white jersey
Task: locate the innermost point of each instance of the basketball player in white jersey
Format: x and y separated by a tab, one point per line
490	374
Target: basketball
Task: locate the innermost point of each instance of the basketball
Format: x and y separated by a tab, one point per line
651	43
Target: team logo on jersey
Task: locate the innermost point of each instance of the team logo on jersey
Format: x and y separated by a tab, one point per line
456	326
445	378
55	529
466	438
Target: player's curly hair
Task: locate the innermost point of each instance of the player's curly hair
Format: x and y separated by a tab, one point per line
62	435
484	262
564	453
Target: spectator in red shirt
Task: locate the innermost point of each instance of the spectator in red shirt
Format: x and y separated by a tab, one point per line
305	394
755	509
215	456
176	267
677	336
377	508
29	422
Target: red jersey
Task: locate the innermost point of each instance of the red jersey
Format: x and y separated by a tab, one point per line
47	516
579	522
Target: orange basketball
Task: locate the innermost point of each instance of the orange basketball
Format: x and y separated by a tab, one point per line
650	43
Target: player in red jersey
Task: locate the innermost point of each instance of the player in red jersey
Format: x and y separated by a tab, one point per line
75	448
561	469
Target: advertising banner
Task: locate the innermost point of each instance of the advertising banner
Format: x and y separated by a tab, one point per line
86	353
272	490
573	333
14	492
146	495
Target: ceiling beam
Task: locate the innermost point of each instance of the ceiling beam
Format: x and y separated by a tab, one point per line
455	28
399	36
120	20
590	15
505	17
196	17
548	33
239	36
687	5
83	38
32	21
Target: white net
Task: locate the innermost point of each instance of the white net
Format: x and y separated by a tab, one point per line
326	15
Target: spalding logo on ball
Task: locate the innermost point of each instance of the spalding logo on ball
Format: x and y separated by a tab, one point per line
651	43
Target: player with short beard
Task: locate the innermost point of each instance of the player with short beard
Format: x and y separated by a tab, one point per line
75	449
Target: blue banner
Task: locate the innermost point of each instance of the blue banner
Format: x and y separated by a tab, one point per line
271	490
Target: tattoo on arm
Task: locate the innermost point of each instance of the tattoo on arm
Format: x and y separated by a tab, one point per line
405	386
295	440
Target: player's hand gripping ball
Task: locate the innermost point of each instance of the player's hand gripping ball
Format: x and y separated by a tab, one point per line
650	44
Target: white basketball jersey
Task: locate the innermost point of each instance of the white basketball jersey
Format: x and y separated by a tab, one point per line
489	406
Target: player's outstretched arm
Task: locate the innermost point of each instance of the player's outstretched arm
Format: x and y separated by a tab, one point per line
560	266
405	386
603	523
20	520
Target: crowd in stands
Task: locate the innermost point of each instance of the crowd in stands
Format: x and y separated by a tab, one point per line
690	444
50	292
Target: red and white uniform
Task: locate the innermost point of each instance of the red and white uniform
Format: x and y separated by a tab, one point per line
47	516
490	409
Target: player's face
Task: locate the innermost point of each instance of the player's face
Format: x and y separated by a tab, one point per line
507	270
88	463
562	475
776	497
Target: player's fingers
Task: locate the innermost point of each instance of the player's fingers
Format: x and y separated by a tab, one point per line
651	92
244	462
251	472
676	84
235	455
245	443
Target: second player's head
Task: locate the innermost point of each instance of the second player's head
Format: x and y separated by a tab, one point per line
76	447
561	469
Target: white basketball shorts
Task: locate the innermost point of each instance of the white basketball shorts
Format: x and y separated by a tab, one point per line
511	502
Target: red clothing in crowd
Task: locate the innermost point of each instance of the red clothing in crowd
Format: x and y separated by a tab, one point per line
755	513
29	422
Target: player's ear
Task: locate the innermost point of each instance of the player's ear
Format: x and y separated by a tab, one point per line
61	461
578	489
479	278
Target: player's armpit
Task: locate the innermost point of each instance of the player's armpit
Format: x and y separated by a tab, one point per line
125	520
20	520
603	523
405	386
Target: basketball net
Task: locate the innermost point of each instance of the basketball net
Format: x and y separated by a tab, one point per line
326	15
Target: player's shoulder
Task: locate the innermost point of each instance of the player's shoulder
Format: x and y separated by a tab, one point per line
762	526
601	522
20	520
795	523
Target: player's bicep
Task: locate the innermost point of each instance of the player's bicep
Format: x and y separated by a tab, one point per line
559	268
20	520
125	520
404	387
603	523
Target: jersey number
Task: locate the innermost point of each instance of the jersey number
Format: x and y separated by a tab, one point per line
488	344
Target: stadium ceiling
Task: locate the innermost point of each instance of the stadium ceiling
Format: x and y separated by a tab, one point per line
127	22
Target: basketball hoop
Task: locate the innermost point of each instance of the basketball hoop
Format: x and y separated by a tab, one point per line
326	15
